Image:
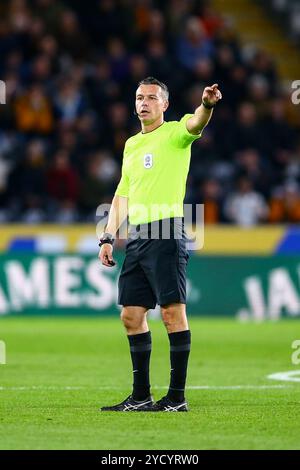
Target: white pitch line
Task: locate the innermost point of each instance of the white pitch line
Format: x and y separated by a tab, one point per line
190	387
33	387
234	387
289	376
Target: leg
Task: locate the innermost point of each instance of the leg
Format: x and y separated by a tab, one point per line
136	296
174	318
139	337
135	292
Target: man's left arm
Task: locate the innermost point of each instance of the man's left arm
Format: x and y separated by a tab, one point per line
203	113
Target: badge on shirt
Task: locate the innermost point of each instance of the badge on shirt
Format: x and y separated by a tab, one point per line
148	160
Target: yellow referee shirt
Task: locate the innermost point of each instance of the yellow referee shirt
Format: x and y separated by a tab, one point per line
154	171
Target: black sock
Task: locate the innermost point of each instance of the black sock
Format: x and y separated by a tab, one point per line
140	350
180	345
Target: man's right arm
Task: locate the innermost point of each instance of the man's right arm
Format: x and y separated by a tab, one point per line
117	215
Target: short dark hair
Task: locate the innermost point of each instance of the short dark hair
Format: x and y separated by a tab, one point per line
154	81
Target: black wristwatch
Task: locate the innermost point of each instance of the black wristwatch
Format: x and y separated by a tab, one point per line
208	106
106	238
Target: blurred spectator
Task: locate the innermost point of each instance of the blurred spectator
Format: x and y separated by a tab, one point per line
225	61
211	198
193	45
237	86
279	135
33	111
4	171
71	38
97	185
41	70
118	59
262	65
285	204
48	47
67	140
159	59
177	12
49	11
155	27
119	120
211	20
204	71
89	131
248	133
102	89
245	207
19	15
259	94
69	103
138	68
63	188
105	19
27	184
250	163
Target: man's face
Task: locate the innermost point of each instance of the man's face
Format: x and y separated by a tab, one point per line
150	103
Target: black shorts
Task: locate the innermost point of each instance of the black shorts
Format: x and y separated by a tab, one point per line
154	269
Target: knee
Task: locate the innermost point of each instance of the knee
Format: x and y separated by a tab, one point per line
130	320
174	317
168	315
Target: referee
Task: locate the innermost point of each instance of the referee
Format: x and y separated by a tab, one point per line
151	191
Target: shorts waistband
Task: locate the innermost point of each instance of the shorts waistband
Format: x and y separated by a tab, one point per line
159	229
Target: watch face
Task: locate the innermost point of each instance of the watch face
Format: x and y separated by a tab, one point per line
106	236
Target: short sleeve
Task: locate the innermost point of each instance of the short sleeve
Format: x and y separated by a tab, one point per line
123	186
179	135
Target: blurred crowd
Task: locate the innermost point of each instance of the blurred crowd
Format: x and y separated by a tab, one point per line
288	14
71	70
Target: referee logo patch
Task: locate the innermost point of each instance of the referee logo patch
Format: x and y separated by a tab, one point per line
148	160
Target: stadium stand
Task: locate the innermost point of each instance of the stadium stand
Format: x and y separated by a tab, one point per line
71	70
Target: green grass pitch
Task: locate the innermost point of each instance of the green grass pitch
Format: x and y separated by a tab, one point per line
59	372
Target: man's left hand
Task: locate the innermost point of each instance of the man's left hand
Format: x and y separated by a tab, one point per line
211	95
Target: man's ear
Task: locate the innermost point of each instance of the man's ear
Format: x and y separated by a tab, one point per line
166	105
